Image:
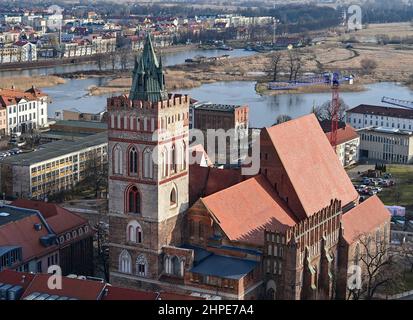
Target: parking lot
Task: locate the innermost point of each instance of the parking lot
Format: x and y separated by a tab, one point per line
8	153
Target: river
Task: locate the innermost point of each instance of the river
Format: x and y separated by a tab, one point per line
263	109
168	59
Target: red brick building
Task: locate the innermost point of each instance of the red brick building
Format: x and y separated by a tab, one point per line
277	235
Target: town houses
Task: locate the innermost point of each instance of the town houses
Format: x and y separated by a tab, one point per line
24	111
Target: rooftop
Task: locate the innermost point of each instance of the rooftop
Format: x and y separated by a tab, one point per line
11	214
383	111
56	149
233	208
312	166
225	267
82	124
364	218
345	134
394	131
216	107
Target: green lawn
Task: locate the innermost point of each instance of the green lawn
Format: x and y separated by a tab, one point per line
402	193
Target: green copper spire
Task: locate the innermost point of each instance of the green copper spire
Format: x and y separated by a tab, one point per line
148	80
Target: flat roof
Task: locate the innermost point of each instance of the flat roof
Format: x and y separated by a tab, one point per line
56	134
225	267
394	131
82	124
216	107
10	214
56	149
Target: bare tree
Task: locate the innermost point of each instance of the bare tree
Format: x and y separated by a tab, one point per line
100	60
325	111
102	251
380	268
124	57
294	64
368	65
276	60
96	173
282	118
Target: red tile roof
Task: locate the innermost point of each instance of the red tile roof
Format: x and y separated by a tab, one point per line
245	210
344	134
364	218
16	278
176	296
116	293
59	219
22	233
12	96
311	164
72	288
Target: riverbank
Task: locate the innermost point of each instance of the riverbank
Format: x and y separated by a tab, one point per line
24	83
46	63
262	89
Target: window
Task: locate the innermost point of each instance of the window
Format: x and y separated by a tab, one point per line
117	159
173	159
141	265
147	164
125	262
134	200
164	163
173	197
133	161
134	232
39	267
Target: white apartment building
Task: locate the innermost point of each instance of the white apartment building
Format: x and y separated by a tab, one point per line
386	145
21	51
364	116
26	110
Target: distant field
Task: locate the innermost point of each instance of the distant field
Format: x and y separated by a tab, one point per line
391	29
402	193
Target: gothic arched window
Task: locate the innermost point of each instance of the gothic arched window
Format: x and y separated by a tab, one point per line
125	262
117	159
173	159
173	197
141	265
147	164
133	161
134	232
134	200
183	156
164	163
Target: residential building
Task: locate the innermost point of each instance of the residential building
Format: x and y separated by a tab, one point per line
21	51
348	145
26	110
364	116
386	145
54	167
37	235
277	235
27	286
74	236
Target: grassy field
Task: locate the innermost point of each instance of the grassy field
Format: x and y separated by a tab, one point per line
402	193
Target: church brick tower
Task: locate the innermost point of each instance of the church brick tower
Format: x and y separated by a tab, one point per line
148	174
